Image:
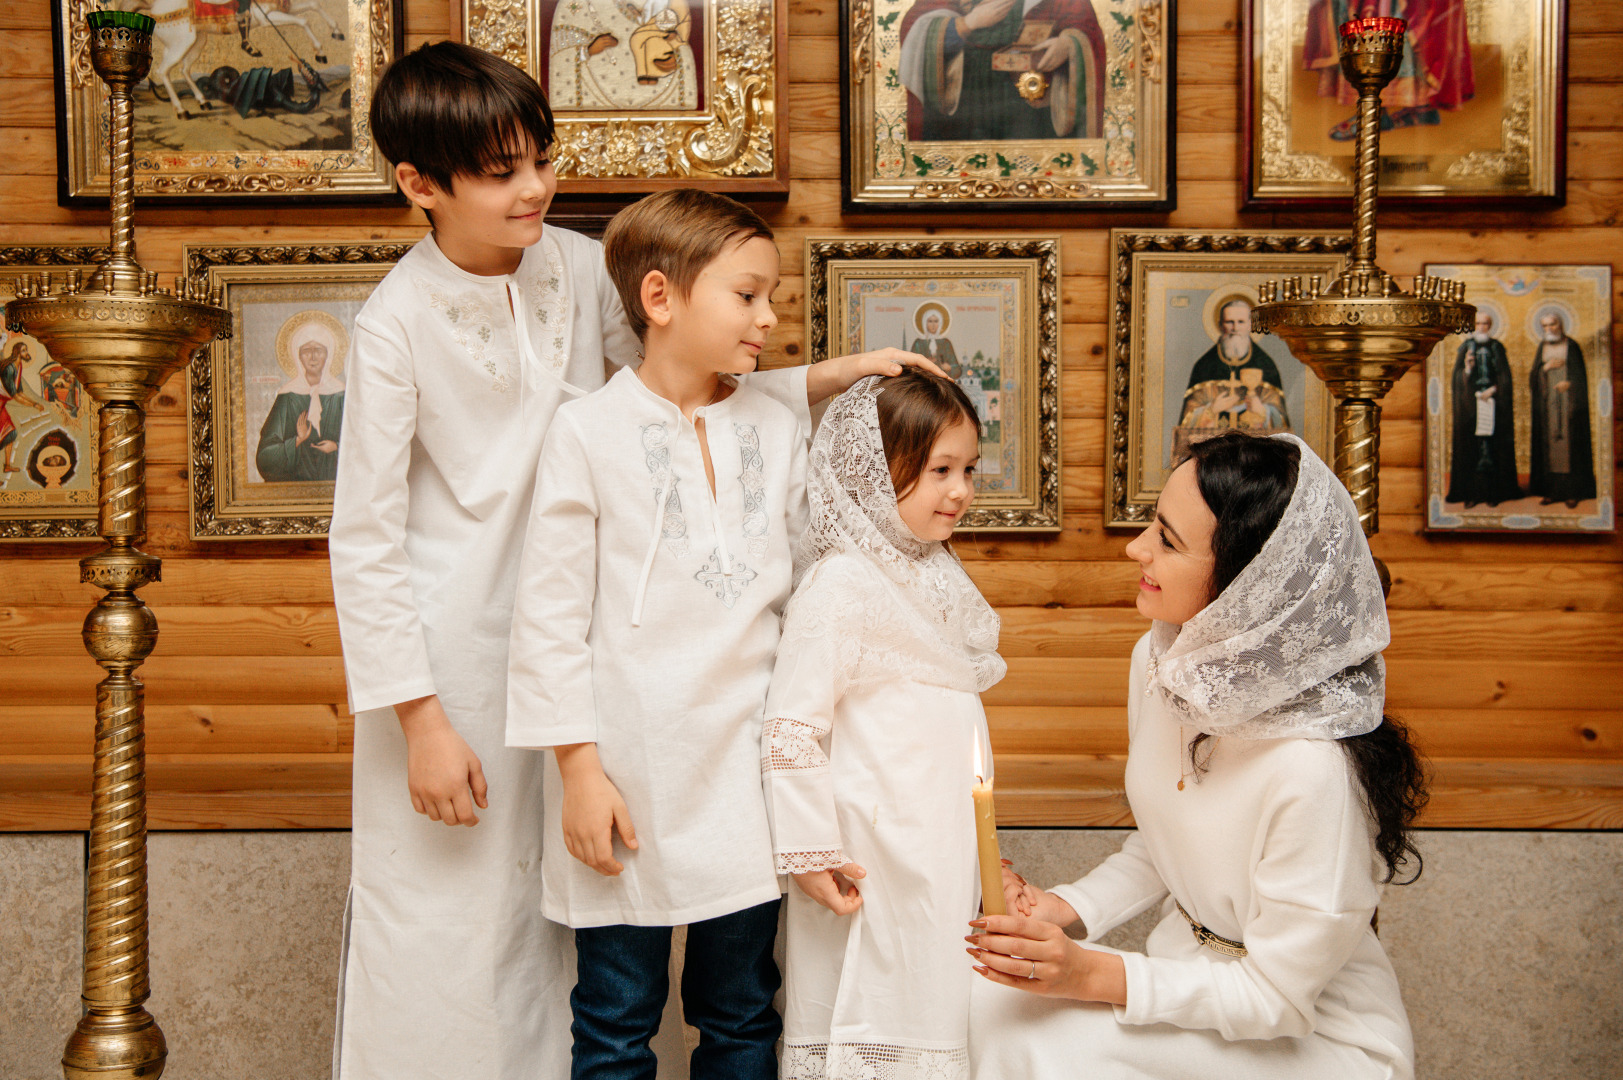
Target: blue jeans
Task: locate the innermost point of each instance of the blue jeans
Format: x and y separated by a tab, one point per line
728	979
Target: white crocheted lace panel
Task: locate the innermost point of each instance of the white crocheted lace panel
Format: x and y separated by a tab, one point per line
792	745
874	599
1292	647
806	862
872	1061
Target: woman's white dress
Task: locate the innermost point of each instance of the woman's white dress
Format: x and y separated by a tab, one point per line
1272	847
881	776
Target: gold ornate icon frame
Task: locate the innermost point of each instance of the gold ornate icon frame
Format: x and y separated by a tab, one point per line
1517	155
1130	165
212	174
226	503
927	271
736	141
1138	367
31	519
1514	296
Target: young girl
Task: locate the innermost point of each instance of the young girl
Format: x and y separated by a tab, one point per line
871	728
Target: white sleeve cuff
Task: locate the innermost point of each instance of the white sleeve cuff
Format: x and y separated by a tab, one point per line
383	697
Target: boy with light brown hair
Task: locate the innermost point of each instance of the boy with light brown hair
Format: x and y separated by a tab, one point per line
655	570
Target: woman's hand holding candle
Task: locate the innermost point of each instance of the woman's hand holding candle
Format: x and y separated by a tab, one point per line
1034	955
834	889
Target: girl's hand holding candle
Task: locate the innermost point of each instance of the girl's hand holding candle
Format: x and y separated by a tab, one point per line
1018	894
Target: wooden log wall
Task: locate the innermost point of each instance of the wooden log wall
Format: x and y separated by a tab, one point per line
1507	653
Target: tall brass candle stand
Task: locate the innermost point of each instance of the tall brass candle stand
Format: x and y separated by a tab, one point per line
1362	332
122	336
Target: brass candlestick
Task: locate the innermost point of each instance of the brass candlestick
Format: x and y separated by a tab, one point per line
122	336
1362	332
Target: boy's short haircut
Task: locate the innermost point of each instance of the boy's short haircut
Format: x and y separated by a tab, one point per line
678	233
449	109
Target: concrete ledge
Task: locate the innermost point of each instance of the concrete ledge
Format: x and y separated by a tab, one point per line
1506	949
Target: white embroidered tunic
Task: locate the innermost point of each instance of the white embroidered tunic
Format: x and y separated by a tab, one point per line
647	617
1273	848
449	971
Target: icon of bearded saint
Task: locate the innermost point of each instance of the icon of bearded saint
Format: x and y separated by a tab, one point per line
1234	384
622	55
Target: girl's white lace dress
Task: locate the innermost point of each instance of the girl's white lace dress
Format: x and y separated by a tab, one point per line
868	757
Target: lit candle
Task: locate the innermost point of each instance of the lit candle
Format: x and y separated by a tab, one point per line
986	841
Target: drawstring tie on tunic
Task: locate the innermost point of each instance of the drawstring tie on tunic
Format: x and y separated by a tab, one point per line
661	499
667	487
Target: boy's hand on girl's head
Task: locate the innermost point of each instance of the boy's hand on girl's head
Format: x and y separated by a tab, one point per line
443	773
593	810
838	375
834	889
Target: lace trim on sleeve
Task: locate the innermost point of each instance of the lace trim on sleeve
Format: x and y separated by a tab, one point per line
790	745
809	862
878	1061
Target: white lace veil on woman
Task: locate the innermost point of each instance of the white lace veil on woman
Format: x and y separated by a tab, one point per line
1292	647
904	607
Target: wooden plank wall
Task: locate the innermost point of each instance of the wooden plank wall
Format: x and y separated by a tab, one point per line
1507	655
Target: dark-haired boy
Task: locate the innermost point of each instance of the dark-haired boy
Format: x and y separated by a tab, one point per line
460	358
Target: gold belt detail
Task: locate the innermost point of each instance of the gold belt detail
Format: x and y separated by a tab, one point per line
1215	942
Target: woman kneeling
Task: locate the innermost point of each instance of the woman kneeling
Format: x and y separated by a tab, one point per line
1273	802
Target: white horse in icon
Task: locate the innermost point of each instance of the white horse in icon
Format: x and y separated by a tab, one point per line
182	39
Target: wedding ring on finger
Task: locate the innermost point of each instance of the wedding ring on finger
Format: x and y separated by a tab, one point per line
1033	974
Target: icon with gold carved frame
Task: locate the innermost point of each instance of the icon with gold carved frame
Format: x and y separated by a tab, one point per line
260	105
974	105
1519	413
1475	117
265	406
652	94
49	488
987	312
1184	364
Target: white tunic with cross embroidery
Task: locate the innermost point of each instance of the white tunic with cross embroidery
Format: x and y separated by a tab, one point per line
449	970
647	618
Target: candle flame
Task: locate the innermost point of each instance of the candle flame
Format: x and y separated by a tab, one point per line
983	757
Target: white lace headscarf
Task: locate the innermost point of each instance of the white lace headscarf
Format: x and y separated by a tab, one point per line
903	607
1293	646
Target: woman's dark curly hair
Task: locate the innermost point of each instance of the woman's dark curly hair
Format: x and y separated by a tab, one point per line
1247	483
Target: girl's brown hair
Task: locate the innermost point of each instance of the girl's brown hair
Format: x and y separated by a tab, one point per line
914	409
